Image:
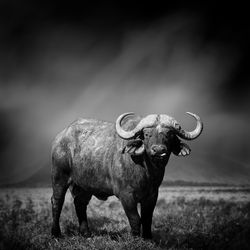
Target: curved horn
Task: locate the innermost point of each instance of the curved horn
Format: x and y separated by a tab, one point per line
126	135
122	133
193	134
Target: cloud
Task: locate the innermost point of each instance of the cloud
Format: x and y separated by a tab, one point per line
156	69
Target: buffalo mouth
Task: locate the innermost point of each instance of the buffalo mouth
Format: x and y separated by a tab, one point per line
159	152
160	156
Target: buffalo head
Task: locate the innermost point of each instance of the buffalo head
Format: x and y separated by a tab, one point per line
157	136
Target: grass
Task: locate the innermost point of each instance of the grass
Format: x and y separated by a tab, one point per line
178	224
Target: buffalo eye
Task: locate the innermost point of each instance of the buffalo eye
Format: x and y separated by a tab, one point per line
170	135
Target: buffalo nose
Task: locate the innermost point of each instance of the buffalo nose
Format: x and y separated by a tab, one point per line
158	149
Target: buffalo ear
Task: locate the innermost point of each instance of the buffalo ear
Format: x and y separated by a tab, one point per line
184	150
180	148
134	147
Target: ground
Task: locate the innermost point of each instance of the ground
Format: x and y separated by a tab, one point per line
184	218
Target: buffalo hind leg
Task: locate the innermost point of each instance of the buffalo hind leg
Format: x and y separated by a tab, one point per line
81	201
60	185
147	209
130	208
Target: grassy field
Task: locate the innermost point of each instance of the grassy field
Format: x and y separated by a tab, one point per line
185	218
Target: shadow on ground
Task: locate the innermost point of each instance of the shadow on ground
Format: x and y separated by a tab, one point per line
99	226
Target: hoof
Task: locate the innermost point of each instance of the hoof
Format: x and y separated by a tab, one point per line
56	233
147	236
84	230
135	234
85	234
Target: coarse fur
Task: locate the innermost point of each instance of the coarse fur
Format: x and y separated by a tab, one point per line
91	159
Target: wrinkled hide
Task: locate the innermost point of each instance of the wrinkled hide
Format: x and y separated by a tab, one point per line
91	152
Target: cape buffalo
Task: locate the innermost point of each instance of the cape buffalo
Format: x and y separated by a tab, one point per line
126	159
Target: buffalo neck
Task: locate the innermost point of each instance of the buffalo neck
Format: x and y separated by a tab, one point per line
155	171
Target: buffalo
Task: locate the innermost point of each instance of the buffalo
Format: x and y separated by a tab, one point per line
126	159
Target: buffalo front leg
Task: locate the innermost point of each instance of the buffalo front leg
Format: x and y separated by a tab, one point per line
147	209
60	186
130	208
81	200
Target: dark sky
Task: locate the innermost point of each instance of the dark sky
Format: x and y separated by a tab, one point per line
61	60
